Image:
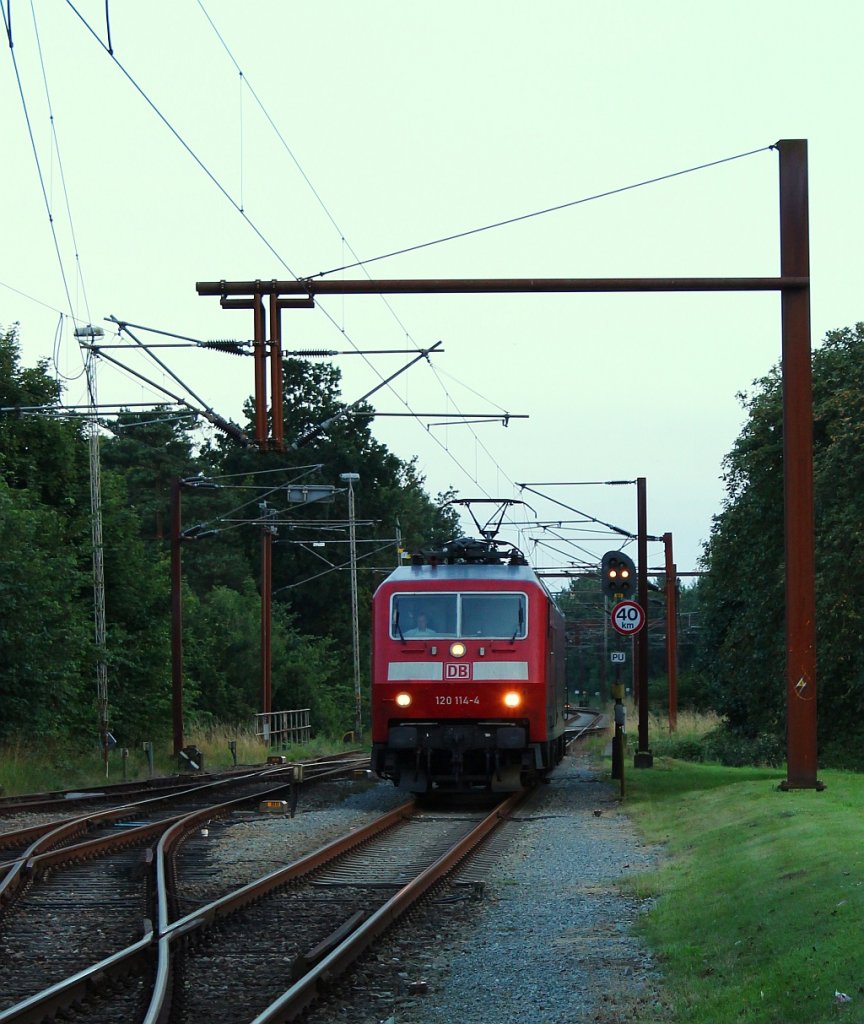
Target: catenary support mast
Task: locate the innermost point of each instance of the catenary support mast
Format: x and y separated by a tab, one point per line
794	287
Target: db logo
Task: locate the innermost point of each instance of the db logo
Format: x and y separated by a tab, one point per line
457	670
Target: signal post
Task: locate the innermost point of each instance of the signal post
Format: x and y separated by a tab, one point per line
618	580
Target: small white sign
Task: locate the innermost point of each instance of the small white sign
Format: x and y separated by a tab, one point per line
618	657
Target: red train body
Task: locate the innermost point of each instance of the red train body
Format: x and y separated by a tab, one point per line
468	684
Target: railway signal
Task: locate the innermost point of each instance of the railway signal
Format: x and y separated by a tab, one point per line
618	575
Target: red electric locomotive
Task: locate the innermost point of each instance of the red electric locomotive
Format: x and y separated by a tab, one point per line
468	686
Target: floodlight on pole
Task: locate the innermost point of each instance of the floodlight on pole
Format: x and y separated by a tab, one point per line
351	479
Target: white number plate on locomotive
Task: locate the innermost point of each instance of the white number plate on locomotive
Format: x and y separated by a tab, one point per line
451	699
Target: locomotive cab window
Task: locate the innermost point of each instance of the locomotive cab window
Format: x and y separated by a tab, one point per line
494	616
489	616
419	615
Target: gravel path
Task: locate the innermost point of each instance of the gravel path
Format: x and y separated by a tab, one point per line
548	942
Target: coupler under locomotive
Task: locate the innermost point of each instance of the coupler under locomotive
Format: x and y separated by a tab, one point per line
460	756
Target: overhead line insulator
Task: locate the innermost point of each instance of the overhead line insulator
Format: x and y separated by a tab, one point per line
310	353
235	348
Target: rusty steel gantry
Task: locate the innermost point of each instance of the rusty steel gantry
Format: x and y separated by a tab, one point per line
794	287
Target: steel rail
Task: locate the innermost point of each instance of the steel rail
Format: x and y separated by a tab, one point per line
598	723
52	1001
39	854
163	794
214	911
60	996
152	788
155	946
248	893
23	867
292	1002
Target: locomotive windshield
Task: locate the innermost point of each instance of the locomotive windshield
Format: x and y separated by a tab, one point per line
491	616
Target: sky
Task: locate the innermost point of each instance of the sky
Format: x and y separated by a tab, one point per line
279	140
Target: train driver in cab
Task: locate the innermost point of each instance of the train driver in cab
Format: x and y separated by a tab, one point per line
422	627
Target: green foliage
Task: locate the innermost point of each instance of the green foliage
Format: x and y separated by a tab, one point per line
312	586
582	604
221	665
38	452
52	765
696	690
722	746
45	634
47	653
137	620
688	741
591	638
765	750
147	451
742	598
225	668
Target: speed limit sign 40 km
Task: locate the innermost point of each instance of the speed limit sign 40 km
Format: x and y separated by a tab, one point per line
628	617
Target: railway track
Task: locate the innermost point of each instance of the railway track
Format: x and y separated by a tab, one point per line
151	803
68	800
72	802
84	887
263	951
583	723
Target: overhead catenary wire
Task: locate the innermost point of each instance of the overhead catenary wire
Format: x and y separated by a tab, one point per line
208	414
539	213
264	493
109	50
301	471
310	433
26	295
476	471
207	410
244	78
615	529
198	160
345	242
53	123
570	541
334	568
45	198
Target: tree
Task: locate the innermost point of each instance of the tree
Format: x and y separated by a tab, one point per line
45	633
313	583
47	672
223	661
137	607
149	449
742	597
39	450
583	606
44	628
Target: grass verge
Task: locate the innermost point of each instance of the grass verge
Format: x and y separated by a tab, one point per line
51	766
757	906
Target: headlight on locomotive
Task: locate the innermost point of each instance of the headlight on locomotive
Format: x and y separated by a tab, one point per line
457	650
512	699
403	699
